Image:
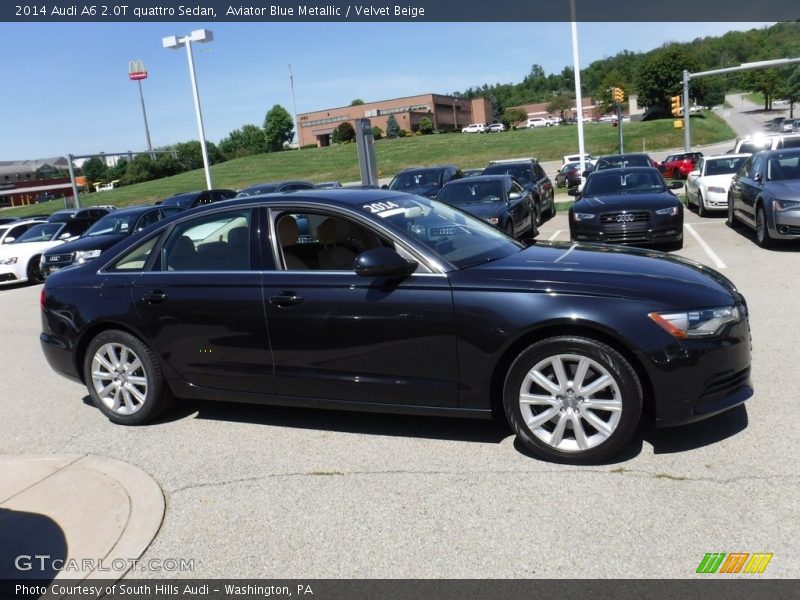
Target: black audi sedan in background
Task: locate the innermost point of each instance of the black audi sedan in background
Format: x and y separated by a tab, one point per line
186	200
402	304
765	195
627	206
497	199
425	181
270	187
103	235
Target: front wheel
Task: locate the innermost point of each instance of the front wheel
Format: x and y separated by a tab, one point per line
34	271
731	220
701	209
124	378
763	237
572	400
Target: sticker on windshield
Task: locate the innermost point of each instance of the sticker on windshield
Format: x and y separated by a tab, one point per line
382	208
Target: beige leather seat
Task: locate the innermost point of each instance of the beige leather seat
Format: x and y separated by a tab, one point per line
335	256
288	233
183	256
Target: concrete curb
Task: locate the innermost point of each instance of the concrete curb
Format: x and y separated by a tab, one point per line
94	514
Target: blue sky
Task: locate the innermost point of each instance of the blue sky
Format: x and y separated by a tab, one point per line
66	87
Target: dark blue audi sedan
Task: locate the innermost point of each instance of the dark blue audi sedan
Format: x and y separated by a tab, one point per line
398	303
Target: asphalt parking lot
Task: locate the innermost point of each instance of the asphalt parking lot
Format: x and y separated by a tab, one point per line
279	492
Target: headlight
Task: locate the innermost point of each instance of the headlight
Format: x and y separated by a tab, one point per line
84	255
672	210
781	205
9	261
493	220
583	216
716	190
696	323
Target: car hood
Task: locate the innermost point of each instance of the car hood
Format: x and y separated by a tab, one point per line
785	190
484	211
26	248
95	242
599	204
665	280
723	181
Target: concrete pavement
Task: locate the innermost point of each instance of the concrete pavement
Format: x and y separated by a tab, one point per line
74	516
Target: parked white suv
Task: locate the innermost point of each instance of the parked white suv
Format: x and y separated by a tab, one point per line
474	128
535	122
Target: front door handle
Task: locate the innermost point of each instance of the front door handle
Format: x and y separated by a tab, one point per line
286	299
155	297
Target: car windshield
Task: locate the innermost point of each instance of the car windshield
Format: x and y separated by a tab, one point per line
570	166
255	191
521	172
412	179
476	192
113	223
646	181
616	162
456	236
784	168
182	200
754	146
724	166
40	233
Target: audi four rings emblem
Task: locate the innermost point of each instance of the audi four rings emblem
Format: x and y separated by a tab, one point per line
624	218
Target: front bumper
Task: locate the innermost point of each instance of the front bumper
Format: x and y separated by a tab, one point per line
638	236
697	379
786	225
715	200
11	274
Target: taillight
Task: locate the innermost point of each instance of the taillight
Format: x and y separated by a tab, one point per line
41	299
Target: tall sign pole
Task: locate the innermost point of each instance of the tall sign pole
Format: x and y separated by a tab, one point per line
137	72
294	104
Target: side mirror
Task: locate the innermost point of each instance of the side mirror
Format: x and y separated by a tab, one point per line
694	174
675	185
573	191
586	173
758	177
384	187
8	240
383	262
514	196
64	236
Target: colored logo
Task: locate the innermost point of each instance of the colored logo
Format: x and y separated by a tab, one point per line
734	562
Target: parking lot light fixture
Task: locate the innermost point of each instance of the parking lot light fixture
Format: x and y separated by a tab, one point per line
174	42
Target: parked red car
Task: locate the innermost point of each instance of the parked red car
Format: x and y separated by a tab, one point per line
678	166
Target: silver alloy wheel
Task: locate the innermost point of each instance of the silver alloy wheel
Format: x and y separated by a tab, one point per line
119	378
761	225
570	402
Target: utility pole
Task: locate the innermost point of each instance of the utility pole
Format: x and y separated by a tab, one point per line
294	103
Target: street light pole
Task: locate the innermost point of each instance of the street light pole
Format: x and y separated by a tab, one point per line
294	103
199	35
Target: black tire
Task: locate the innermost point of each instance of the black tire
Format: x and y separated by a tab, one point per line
763	237
534	229
552	212
731	221
34	270
156	397
509	229
701	210
623	387
537	208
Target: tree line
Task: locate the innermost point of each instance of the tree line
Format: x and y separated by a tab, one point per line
656	75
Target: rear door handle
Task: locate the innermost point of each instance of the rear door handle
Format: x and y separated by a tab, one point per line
286	299
155	297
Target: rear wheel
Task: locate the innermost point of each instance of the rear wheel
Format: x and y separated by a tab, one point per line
34	271
509	229
124	378
572	400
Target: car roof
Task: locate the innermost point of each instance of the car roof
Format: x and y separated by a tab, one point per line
427	168
626	170
738	155
138	209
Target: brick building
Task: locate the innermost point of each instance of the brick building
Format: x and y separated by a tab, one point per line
445	112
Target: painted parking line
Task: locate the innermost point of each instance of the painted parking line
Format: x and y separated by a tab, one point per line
554	236
711	254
